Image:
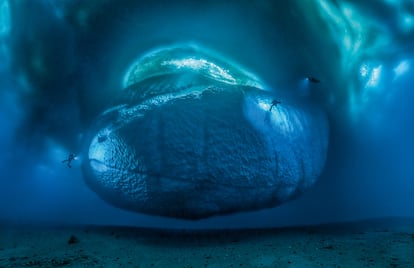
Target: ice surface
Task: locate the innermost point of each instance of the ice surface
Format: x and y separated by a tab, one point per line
180	59
197	139
4	18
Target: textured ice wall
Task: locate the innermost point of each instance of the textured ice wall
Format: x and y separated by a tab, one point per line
195	136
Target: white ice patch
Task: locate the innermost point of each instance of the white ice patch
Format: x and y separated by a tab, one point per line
195	60
203	66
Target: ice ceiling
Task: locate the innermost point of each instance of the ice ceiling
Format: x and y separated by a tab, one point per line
372	44
372	48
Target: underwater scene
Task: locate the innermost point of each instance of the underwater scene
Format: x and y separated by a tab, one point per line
207	133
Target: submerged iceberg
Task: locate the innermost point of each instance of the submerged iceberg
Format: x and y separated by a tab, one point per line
194	136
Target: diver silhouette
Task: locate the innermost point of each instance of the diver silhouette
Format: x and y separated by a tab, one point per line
313	79
71	157
274	104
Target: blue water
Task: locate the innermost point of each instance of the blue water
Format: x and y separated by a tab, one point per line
63	63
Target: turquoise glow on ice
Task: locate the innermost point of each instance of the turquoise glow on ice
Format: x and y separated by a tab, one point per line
5	22
370	58
402	67
190	58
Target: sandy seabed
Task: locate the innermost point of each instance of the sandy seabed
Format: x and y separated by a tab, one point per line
373	243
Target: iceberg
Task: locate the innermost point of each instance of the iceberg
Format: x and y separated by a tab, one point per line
194	135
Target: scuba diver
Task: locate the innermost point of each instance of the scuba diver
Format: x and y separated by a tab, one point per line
71	157
274	104
313	79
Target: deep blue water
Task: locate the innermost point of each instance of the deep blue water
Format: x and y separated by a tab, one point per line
63	62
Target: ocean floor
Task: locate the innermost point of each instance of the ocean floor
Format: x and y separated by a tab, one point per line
373	243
